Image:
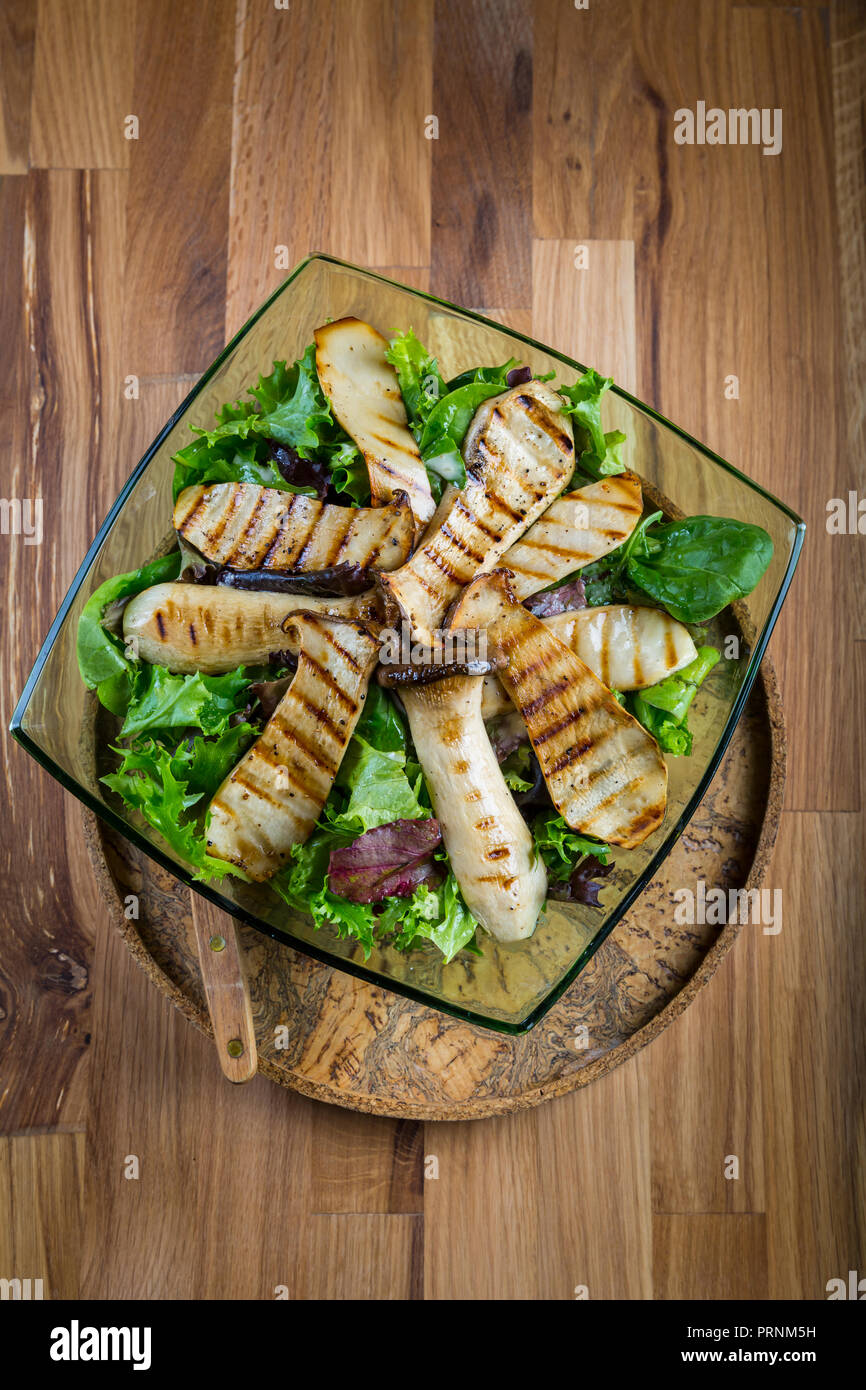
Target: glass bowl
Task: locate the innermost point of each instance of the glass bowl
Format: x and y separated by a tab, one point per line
510	987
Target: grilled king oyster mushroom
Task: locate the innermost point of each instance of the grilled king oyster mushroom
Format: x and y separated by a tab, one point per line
248	527
627	648
273	797
576	529
365	396
515	467
212	628
604	772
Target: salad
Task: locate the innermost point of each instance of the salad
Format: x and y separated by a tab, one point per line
419	654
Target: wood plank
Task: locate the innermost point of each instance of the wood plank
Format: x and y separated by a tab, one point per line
354	179
710	1257
707	1092
848	57
584	131
364	1164
176	265
481	1213
17	44
812	990
594	1212
361	1257
279	188
65	248
188	1225
82	84
482	177
379	182
722	304
41	1201
587	309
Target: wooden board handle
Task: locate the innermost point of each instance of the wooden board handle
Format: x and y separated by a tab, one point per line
225	984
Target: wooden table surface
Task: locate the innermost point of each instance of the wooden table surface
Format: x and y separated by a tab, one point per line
128	1167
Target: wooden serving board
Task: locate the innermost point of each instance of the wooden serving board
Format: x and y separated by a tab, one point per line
340	1040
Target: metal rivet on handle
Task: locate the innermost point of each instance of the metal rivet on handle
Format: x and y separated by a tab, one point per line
217	943
234	1047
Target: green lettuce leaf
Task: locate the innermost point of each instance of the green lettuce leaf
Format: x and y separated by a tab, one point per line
663	708
421	384
598	454
162	700
561	847
148	782
288	406
434	914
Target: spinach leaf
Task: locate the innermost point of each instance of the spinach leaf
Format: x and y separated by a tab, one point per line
697	566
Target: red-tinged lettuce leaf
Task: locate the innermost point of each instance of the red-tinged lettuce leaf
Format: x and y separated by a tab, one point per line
582	886
389	861
562	600
299	472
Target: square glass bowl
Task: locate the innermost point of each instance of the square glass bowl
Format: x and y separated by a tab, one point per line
510	987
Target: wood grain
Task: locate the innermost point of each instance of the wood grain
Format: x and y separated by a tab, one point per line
64	235
177	263
488	1171
41	1210
584	300
354	176
82	85
710	1257
17	46
482	180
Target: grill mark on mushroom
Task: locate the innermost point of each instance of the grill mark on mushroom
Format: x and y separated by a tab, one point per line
627	648
364	394
579	527
251	527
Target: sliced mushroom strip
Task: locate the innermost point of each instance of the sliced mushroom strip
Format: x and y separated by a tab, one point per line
515	467
398	676
491	850
248	527
275	794
336	579
365	396
209	628
576	529
627	648
604	772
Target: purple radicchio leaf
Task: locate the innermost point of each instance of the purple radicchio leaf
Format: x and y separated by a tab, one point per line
562	600
269	694
299	472
506	733
582	886
387	862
